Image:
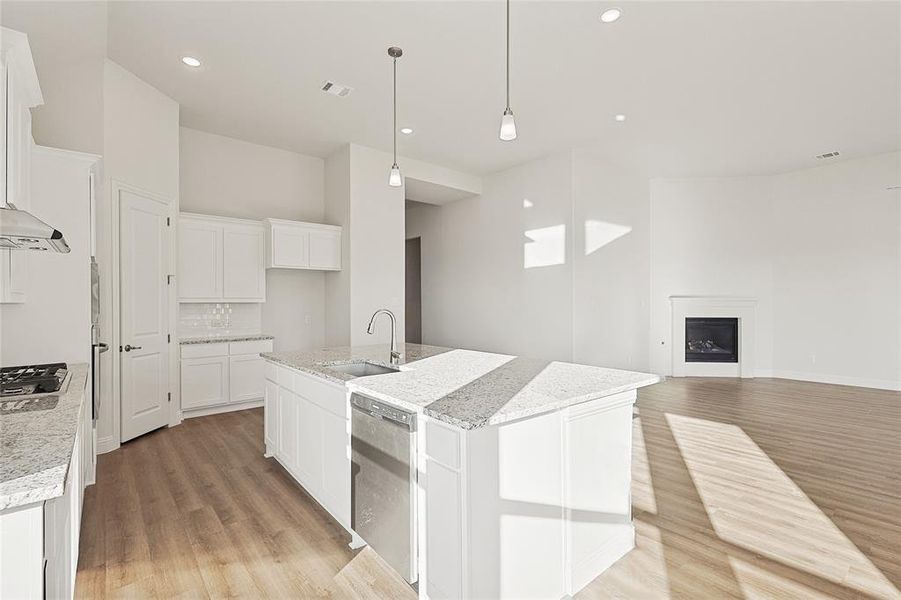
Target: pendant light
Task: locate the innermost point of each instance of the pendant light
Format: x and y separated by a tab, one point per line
394	178
508	125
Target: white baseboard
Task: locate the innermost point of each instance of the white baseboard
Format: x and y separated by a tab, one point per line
588	568
106	444
224	408
878	384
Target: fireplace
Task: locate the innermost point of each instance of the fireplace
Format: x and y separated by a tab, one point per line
711	339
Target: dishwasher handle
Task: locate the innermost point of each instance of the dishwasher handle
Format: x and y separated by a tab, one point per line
382	410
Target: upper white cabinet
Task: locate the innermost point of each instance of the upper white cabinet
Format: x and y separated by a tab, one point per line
19	93
297	245
220	259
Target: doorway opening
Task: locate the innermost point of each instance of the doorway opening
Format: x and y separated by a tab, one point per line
413	319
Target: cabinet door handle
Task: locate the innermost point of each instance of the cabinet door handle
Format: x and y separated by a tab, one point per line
129	347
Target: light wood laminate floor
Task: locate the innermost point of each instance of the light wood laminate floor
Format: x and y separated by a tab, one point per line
741	489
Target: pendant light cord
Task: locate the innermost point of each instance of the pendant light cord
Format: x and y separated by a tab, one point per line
508	54
395	111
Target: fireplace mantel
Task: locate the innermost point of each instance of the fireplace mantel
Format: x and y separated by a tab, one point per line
744	309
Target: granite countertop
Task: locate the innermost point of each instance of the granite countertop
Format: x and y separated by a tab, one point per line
317	362
36	445
215	338
466	388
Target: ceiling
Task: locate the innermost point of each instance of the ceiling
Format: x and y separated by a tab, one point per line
708	88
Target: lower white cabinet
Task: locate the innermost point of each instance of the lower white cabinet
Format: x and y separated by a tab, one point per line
222	374
204	382
307	430
39	542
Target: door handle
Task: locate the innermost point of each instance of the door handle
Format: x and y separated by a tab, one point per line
129	347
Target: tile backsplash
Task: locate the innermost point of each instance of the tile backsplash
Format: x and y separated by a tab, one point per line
220	318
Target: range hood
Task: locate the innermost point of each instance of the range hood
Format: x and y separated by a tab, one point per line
21	230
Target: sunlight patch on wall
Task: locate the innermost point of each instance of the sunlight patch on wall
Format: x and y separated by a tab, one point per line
544	247
600	233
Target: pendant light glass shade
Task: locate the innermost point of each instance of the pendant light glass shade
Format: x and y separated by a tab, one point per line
508	126
394	178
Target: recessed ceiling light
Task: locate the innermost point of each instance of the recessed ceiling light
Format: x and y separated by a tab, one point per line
526	203
620	118
611	14
406	130
190	61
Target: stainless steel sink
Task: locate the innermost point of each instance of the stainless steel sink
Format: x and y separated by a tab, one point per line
362	369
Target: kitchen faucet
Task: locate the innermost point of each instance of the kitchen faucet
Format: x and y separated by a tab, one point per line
395	355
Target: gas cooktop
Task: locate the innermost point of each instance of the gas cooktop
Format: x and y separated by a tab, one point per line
32	379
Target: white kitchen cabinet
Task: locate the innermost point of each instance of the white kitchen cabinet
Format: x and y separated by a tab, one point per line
246	378
220	259
222	375
204	382
199	275
298	245
244	277
270	418
312	420
20	92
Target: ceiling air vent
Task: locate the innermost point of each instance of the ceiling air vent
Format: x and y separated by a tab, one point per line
833	154
336	89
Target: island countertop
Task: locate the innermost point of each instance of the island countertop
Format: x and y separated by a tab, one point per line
36	443
467	388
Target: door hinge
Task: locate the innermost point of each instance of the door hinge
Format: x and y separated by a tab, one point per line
169	279
168	222
120	348
168	338
169	395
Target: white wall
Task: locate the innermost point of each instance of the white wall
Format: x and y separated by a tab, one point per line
711	237
836	273
337	284
820	249
70	69
140	148
54	323
376	249
232	178
611	261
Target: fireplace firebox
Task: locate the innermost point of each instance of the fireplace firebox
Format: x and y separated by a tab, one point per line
711	339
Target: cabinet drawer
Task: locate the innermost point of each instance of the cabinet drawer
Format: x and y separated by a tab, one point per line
328	397
204	350
443	444
250	347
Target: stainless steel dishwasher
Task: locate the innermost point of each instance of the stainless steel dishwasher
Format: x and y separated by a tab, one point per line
383	481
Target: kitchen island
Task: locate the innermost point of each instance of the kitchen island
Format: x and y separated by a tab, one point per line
522	465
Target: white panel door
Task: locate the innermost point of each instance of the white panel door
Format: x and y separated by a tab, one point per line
247	377
289	247
335	466
204	381
309	445
199	260
325	250
244	250
144	314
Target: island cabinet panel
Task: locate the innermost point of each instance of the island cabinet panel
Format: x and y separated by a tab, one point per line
536	507
311	418
270	417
